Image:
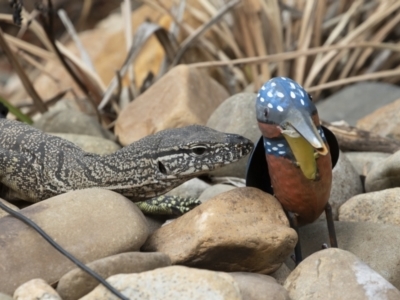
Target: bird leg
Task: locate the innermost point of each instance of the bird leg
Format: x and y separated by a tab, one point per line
295	225
331	226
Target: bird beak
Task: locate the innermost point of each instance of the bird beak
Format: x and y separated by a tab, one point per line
302	135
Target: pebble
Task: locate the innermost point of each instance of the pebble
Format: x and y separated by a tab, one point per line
91	224
192	188
383	121
337	274
230	117
363	162
242	230
77	283
214	190
377	207
171	283
346	183
71	121
37	289
384	175
375	244
90	144
170	103
259	287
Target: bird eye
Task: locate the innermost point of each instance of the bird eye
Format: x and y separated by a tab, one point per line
266	112
309	96
199	150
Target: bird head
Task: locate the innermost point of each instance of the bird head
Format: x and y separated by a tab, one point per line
285	109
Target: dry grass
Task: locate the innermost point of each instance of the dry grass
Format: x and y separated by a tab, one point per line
324	45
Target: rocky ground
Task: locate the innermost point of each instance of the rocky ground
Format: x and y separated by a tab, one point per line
237	244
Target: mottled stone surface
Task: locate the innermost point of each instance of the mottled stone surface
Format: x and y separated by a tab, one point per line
377	207
171	283
37	289
375	244
90	224
337	274
259	287
363	162
77	283
243	229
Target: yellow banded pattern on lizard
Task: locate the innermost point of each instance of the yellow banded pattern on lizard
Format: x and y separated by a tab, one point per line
35	166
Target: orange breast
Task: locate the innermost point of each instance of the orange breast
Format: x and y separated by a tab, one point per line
306	198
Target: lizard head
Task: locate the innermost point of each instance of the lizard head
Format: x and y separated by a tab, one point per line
193	150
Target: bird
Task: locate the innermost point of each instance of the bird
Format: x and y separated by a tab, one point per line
294	157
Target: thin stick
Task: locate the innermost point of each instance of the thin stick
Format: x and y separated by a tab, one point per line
293	54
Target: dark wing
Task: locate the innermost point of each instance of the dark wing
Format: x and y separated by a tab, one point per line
333	145
257	169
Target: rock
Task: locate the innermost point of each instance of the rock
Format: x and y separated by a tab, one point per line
356	101
384	175
337	274
215	190
377	207
171	283
181	97
383	121
346	183
257	286
236	114
243	229
37	289
154	222
71	121
375	244
5	297
90	224
363	162
77	283
90	144
6	203
192	188
281	274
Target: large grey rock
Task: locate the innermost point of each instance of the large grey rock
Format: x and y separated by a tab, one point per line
377	207
171	283
257	286
91	144
356	101
236	115
336	274
90	224
77	283
346	183
375	244
71	121
243	229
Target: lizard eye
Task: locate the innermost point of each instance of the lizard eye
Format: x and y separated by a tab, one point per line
199	150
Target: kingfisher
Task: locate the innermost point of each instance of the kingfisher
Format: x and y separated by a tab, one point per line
294	157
